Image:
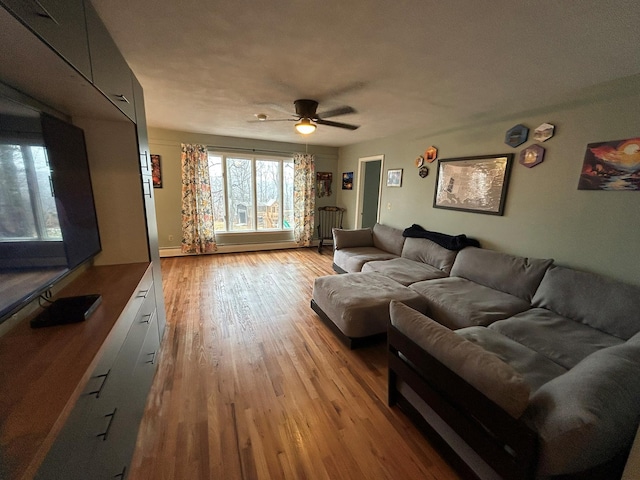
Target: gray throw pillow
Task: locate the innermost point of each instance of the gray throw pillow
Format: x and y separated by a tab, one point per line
362	237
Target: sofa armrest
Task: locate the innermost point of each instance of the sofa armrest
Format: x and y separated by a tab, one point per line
342	238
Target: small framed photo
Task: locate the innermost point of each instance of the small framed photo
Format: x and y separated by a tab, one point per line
394	177
347	181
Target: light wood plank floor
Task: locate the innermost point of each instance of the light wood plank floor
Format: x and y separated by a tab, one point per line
252	385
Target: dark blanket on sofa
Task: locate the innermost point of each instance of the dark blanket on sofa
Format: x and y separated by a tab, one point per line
450	242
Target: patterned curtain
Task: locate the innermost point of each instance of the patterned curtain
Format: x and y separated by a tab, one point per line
304	198
197	203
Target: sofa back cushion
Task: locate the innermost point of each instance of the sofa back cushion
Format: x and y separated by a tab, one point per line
342	238
597	301
589	414
519	276
426	251
388	239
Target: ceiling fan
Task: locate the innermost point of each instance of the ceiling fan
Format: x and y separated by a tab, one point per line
308	119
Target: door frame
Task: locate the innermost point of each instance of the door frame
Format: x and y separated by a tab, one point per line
360	187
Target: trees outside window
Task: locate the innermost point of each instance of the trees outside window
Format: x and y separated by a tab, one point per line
251	193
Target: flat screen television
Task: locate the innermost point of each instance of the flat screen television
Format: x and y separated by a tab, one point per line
48	223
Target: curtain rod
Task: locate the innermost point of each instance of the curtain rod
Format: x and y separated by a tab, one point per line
262	150
253	150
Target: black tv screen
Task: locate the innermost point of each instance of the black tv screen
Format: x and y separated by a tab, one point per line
48	223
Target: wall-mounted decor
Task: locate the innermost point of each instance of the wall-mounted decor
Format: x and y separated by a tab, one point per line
613	165
423	172
543	132
419	161
156	171
516	135
323	183
394	178
532	156
347	181
473	184
430	154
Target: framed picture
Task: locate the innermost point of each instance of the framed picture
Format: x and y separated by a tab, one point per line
516	135
473	184
156	171
612	165
323	180
532	156
394	178
347	181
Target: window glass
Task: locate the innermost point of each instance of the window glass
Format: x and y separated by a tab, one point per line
268	189
240	196
26	195
218	193
287	189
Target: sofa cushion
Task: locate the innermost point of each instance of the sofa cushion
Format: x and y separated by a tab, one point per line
404	271
485	371
519	276
352	259
534	367
358	303
560	339
362	237
457	302
388	238
589	414
426	251
603	303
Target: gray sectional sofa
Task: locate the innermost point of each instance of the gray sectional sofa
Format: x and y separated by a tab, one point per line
517	367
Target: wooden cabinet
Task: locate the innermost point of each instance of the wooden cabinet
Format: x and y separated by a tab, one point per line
102	427
111	74
61	24
149	201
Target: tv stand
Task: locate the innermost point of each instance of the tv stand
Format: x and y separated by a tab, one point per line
67	310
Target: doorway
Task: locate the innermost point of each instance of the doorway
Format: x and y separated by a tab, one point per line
369	191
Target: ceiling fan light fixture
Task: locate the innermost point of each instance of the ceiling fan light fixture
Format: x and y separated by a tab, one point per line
305	126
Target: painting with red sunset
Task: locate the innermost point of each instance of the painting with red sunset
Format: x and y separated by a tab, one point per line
613	165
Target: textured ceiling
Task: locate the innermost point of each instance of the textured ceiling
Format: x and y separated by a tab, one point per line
211	66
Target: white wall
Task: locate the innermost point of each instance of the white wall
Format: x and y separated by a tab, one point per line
545	215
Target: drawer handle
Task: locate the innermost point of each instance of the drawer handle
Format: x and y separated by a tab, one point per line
45	13
153	357
110	416
147	318
122	474
146	160
148	191
104	377
121	98
143	293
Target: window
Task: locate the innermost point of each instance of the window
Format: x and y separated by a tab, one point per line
26	195
251	193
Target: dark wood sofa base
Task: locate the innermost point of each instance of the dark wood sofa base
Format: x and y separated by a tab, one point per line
351	342
507	445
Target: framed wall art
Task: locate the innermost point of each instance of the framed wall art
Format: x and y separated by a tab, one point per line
473	184
347	181
323	184
156	171
394	177
612	165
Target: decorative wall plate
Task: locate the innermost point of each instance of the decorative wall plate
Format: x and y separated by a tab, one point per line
516	135
543	132
532	156
419	161
430	154
423	172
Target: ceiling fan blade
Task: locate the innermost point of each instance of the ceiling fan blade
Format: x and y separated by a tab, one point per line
329	123
273	120
337	111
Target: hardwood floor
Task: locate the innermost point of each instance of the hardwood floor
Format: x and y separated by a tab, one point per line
252	385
